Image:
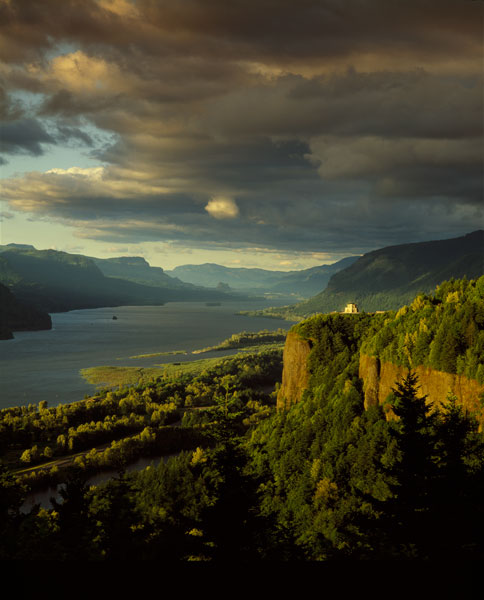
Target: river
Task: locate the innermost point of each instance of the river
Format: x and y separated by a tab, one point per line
43	495
45	365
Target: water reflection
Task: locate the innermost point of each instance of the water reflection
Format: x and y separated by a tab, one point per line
43	496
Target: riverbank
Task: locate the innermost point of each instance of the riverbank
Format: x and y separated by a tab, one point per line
42	496
45	365
45	446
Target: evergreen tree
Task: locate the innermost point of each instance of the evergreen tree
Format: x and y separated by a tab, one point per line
437	482
75	526
458	511
228	523
11	497
116	520
406	517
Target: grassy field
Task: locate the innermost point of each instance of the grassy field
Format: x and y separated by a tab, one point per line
240	343
173	352
248	348
283	313
109	376
248	340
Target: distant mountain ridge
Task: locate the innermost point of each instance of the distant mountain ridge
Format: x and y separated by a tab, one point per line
390	277
138	270
55	281
306	282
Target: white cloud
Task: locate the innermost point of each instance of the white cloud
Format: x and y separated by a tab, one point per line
221	207
90	172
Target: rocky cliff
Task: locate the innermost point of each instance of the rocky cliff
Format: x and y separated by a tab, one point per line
378	380
295	374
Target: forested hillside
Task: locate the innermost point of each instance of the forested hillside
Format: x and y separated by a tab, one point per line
325	479
345	481
388	278
15	316
443	331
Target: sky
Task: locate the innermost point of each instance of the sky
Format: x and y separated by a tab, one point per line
280	134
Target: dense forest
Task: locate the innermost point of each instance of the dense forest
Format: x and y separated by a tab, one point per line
323	480
444	331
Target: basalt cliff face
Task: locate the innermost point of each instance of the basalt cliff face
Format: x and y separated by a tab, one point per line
295	374
378	380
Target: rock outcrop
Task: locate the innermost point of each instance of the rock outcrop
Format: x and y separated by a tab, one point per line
379	379
295	374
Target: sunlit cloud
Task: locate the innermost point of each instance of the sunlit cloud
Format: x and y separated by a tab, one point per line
221	207
123	8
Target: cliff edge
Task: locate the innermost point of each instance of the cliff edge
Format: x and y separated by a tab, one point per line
380	377
440	338
295	374
378	380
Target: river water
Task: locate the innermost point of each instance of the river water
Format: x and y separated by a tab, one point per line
45	365
43	495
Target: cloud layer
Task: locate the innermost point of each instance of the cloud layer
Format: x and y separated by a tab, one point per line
317	126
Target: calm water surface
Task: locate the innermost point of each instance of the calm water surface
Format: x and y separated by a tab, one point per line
45	365
42	496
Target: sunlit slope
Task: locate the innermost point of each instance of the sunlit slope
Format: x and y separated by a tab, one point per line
390	277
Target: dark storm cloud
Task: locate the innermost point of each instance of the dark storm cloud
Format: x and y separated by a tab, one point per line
313	125
415	103
26	136
29	136
9	109
66	103
267	30
242	164
66	133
